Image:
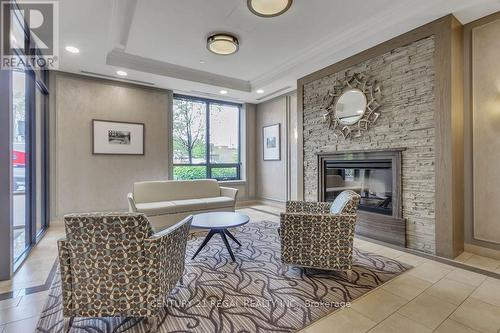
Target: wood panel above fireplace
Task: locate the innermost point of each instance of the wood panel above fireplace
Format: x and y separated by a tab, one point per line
376	176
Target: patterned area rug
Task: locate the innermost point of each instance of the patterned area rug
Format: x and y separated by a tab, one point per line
254	294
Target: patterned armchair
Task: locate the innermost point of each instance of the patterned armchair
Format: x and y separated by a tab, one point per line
320	234
114	265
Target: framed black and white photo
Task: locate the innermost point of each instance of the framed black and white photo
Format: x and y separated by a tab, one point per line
117	138
271	142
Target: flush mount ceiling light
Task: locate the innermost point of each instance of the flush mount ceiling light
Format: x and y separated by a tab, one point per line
222	44
259	91
72	49
121	73
268	8
223	92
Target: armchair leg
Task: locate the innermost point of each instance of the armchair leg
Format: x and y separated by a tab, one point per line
349	275
68	321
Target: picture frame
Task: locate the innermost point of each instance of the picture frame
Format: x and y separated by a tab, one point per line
117	137
271	142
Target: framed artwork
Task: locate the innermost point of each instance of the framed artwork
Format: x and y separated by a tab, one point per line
117	138
271	141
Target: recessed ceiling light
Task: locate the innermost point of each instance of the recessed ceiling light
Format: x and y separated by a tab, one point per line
121	73
72	49
268	8
202	61
223	44
260	91
223	92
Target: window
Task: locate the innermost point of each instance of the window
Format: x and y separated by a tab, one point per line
206	138
29	191
28	113
19	170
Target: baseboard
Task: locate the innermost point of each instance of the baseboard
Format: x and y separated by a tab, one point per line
247	203
272	202
482	251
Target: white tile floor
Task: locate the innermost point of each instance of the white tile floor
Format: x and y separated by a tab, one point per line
430	297
476	260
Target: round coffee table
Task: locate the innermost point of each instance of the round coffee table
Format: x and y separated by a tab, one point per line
217	223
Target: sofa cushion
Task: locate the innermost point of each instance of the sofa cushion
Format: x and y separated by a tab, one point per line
183	206
189	205
156	208
218	202
156	191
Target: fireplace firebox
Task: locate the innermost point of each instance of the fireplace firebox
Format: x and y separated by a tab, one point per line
372	179
376	177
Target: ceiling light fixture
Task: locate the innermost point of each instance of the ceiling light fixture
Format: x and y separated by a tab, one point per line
223	44
223	92
121	73
260	91
268	8
72	49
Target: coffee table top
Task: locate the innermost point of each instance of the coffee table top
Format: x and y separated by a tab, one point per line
219	220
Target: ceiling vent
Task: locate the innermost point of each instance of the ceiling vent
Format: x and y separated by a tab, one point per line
274	93
116	78
213	96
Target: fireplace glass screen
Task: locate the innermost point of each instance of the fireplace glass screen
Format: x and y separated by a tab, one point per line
370	179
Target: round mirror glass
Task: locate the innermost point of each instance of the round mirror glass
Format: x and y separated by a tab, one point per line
350	107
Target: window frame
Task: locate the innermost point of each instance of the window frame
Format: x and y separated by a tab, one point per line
208	164
35	80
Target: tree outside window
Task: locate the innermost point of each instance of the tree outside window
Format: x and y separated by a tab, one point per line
189	132
206	139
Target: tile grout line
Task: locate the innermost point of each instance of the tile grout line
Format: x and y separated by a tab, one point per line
477	255
351	308
380	287
32	290
422	292
52	274
450	262
4	326
408	302
448	317
457	309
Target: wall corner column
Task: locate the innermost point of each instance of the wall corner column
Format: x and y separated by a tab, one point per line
449	213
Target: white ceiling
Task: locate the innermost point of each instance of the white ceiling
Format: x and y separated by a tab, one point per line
162	42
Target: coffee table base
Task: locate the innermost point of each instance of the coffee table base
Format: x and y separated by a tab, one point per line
222	232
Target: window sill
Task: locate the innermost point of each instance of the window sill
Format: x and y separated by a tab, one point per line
232	182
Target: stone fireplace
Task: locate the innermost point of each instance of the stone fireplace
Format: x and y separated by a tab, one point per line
376	177
406	128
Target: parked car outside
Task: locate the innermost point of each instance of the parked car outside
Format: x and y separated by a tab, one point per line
19	170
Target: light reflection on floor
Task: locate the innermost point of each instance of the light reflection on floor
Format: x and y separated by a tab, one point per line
19	243
18	225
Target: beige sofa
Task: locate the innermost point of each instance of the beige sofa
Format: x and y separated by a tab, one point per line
167	202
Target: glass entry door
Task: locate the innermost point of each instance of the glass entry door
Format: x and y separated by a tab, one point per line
23	133
20	165
29	194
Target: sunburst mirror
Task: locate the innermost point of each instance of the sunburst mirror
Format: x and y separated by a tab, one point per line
352	106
